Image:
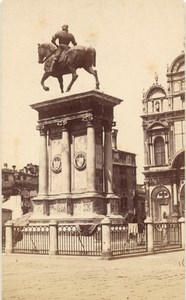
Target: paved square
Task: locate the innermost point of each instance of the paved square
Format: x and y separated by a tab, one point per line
154	277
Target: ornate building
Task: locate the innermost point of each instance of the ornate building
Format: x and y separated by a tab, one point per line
124	176
19	187
163	128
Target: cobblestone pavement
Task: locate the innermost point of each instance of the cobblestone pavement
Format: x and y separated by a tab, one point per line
154	277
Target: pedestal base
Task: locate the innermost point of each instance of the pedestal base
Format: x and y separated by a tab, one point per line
79	208
94	219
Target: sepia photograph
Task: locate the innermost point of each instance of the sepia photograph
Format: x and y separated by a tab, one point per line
92	155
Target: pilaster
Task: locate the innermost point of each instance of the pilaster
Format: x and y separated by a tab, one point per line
108	161
91	154
43	165
65	158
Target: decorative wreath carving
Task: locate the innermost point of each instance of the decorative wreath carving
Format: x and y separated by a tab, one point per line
56	164
80	161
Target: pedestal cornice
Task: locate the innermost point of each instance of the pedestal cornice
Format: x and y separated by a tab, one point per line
72	104
97	95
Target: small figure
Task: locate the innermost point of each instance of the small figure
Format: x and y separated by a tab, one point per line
64	39
156	77
165	215
157	104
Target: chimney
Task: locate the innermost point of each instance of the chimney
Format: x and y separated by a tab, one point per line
114	138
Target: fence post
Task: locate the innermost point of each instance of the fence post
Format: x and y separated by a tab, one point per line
182	223
165	231
9	237
106	238
150	242
53	244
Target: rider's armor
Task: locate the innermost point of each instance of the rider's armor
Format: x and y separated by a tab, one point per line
64	39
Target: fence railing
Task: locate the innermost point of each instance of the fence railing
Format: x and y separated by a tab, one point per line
71	241
3	238
105	239
166	236
128	239
31	239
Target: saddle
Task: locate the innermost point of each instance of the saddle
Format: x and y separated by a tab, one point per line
63	49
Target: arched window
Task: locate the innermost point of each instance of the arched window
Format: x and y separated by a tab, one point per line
159	151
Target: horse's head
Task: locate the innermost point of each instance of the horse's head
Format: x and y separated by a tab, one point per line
41	53
44	50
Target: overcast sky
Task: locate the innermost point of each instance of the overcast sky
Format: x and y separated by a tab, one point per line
133	40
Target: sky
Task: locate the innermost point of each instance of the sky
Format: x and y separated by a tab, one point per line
133	40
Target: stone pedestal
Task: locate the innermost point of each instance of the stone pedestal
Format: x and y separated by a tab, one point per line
75	168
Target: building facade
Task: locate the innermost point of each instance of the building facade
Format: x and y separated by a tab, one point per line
164	129
18	188
124	179
125	185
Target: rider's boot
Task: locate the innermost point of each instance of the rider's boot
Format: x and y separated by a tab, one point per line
53	65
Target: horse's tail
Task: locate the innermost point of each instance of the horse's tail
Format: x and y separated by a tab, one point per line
92	53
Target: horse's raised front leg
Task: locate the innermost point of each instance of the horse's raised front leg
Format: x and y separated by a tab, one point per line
45	76
74	77
94	73
60	80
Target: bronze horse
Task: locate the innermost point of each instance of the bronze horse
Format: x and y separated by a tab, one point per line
76	57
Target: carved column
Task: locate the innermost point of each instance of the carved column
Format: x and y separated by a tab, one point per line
43	165
166	153
91	154
152	106
152	155
108	163
175	194
146	148
161	105
65	159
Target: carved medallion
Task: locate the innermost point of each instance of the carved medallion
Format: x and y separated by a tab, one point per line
56	164
80	161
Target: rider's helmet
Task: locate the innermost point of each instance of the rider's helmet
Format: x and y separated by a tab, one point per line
65	27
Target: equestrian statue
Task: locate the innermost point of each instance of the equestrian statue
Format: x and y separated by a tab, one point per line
60	59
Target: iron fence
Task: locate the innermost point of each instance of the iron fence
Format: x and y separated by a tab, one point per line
31	239
3	238
72	241
87	239
166	236
128	239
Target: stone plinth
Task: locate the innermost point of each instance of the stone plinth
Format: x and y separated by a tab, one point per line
75	168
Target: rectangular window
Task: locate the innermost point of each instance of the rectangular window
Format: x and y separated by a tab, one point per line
179	130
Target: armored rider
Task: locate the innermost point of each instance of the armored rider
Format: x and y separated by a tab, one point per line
64	39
